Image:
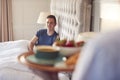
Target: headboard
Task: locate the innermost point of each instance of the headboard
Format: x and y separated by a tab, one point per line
71	17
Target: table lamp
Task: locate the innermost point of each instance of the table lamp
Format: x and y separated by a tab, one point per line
42	17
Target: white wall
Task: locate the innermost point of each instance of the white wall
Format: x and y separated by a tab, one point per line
25	14
106	15
110	16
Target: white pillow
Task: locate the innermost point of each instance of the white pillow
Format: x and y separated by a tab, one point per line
85	36
14	44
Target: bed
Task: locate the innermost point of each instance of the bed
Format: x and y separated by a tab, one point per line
71	19
10	68
73	16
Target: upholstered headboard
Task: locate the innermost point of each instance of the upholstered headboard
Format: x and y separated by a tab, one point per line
71	17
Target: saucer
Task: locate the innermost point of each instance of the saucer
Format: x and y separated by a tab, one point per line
33	59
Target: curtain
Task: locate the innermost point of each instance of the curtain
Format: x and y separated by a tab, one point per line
6	26
0	23
86	14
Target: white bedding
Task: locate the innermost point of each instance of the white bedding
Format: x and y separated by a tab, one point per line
11	69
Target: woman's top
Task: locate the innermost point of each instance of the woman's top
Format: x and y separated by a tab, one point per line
44	38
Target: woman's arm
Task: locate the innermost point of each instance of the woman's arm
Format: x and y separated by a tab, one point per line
32	43
57	39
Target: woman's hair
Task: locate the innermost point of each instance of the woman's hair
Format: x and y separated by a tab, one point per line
52	16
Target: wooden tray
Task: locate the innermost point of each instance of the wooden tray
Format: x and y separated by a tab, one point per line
22	59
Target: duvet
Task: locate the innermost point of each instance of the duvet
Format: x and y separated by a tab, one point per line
11	69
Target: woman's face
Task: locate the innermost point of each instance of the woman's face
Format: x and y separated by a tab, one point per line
50	23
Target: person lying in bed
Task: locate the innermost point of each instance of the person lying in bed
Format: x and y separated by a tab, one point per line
100	58
45	36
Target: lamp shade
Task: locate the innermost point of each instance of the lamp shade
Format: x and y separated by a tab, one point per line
42	17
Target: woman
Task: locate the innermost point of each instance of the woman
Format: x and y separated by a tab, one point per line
45	36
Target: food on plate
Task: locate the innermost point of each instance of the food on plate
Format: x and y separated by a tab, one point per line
80	43
60	42
68	47
71	61
69	43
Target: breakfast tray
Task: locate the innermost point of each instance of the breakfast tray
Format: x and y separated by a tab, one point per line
22	59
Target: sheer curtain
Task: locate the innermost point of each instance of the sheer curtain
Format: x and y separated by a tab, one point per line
6	26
